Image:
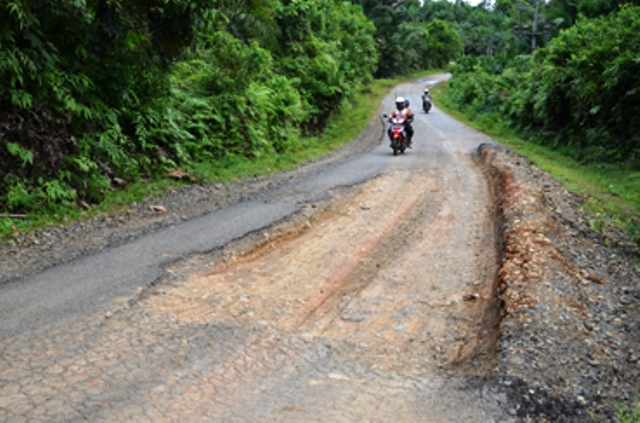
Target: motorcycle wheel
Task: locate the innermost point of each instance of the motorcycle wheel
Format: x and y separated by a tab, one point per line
394	146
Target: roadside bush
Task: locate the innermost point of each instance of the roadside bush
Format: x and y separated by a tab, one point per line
73	76
578	94
589	85
227	100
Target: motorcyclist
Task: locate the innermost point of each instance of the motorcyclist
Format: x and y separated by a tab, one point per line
426	101
403	110
426	96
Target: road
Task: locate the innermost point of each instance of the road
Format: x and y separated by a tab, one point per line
363	292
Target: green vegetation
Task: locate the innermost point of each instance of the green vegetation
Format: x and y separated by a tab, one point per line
410	44
575	95
629	414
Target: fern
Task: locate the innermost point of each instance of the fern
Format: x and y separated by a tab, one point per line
22	99
84	164
57	191
19	197
17	9
17	151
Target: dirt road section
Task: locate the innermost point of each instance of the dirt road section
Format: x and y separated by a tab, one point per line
380	277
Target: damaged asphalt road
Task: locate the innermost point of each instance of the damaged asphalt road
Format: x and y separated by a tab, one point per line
455	281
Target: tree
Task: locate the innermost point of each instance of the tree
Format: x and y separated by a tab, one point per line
589	83
394	20
328	46
443	43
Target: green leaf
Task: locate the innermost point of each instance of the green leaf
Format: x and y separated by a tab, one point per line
18	151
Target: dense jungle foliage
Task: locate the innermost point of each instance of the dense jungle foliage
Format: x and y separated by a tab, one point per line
578	94
98	94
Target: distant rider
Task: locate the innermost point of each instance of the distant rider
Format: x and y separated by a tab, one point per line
426	96
403	110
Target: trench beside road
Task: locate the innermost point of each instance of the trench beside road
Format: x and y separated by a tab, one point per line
369	295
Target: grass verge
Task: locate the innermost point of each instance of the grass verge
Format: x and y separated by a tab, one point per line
611	191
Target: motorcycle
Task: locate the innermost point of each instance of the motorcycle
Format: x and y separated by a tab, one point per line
426	104
399	140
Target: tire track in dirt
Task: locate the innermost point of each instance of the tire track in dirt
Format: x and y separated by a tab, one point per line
368	275
330	258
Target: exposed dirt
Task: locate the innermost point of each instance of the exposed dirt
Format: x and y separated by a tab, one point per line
312	273
569	346
393	281
556	333
475	292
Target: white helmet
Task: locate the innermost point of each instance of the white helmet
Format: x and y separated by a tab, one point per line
400	100
426	91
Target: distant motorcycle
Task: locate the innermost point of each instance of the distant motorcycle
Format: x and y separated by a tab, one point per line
426	104
399	139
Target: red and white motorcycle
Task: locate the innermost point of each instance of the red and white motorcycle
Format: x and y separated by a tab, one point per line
399	140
